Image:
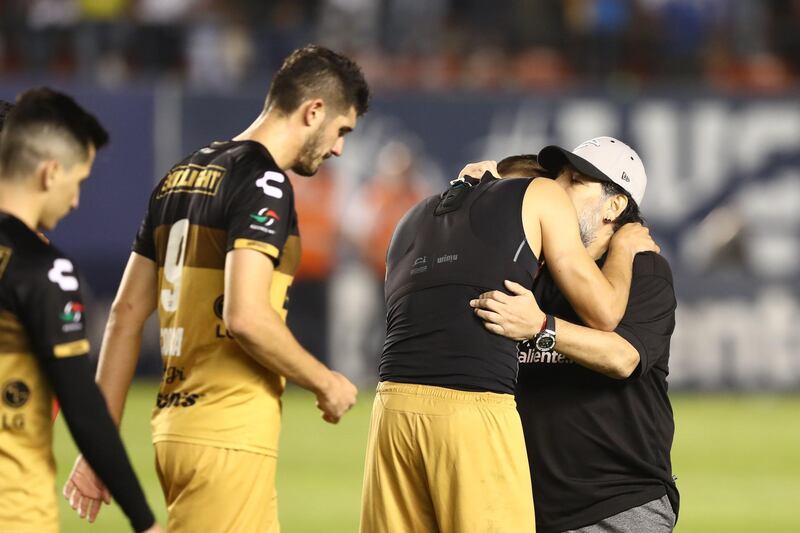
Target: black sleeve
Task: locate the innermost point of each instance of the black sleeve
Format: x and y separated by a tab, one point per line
51	309
259	210
96	436
650	316
144	244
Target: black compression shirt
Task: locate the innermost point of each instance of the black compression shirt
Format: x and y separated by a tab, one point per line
445	252
598	446
43	348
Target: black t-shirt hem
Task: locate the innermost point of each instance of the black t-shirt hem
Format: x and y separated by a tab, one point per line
479	386
602	510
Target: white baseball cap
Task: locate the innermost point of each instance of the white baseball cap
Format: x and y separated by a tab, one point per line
603	159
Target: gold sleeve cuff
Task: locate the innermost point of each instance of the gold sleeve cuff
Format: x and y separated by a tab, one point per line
71	349
263	247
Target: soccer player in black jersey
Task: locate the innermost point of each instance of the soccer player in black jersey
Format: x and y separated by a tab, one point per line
597	419
446	450
215	255
47	148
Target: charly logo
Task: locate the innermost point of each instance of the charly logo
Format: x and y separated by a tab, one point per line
271	190
16	393
58	274
265	216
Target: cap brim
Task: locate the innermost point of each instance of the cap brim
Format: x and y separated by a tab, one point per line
553	158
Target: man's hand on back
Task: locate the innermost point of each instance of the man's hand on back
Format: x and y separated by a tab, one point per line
516	316
476	170
635	238
336	398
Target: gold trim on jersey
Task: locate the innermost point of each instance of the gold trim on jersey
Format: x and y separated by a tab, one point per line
71	349
5	256
192	179
258	246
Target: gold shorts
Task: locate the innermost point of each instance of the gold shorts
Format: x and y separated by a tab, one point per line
448	461
217	489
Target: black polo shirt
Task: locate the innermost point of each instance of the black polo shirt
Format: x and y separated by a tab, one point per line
599	446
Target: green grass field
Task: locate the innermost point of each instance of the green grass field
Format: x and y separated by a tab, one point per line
737	459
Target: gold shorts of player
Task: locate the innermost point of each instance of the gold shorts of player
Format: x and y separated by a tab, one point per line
447	461
217	489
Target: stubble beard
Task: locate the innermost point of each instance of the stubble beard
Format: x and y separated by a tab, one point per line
311	156
588	222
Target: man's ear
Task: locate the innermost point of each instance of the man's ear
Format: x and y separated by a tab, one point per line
615	206
313	112
46	173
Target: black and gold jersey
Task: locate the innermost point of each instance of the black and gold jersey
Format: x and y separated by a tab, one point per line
41	319
225	196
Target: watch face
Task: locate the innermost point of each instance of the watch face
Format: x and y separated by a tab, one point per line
545	343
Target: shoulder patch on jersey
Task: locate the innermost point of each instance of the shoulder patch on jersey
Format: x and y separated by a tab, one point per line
59	274
271	190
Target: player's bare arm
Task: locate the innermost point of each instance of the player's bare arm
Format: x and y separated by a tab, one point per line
135	301
258	328
518	317
551	227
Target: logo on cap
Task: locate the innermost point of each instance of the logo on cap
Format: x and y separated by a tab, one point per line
625	177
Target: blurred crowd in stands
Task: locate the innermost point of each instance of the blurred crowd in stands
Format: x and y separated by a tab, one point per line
411	44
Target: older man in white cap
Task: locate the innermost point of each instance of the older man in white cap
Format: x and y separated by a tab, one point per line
597	420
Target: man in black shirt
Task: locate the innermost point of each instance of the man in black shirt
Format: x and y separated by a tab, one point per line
597	419
47	149
446	451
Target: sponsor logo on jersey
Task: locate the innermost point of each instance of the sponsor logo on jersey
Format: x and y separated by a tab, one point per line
71	317
271	190
12	422
16	393
176	399
171	342
192	179
172	374
220	331
59	274
528	354
449	258
219	306
420	265
265	216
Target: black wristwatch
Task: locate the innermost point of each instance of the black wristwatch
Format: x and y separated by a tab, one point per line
545	340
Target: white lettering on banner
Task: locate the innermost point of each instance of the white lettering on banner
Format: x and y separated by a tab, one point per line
583	119
742	343
171	342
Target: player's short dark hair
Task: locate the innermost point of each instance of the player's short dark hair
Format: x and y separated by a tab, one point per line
46	124
5	107
631	213
317	72
523	165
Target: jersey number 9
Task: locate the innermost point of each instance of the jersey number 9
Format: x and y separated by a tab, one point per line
173	265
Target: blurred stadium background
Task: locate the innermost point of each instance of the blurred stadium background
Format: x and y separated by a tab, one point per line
706	91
